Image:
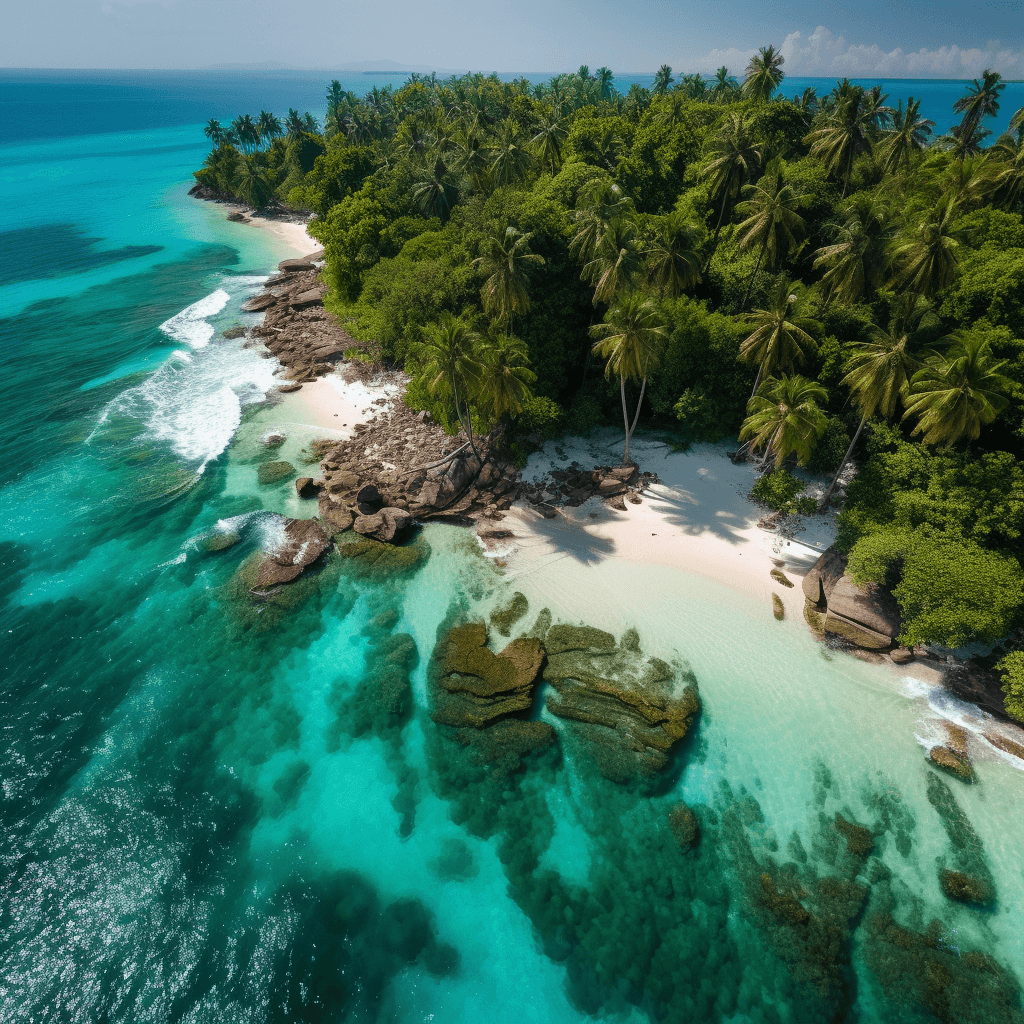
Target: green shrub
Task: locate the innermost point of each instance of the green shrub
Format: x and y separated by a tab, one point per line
828	453
807	505
541	415
1012	670
778	490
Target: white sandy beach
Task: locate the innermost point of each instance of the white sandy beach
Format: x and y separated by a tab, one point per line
293	236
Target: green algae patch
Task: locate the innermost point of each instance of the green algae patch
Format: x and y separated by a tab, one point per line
561	638
504	617
952	763
220	541
815	619
860	840
274	472
684	825
363	557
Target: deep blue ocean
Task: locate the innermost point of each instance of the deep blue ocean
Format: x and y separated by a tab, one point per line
201	819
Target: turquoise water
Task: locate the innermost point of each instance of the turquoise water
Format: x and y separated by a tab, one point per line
208	813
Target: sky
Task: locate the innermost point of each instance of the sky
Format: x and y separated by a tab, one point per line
828	38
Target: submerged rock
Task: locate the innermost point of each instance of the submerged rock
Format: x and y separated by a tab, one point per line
778	608
684	825
630	710
504	617
368	557
475	686
221	541
272	472
305	540
965	888
953	762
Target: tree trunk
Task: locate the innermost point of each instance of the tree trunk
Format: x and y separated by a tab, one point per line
757	382
625	417
750	283
468	423
639	405
842	465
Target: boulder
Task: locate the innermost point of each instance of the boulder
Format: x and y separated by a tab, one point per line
307	487
308	298
259	302
611	486
287	389
473	686
953	762
385	525
237	331
221	540
304	541
624	474
901	655
618	503
295	266
314	257
869	606
237	217
778	608
780	577
823	575
337	518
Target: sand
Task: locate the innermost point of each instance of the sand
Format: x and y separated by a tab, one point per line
293	236
337	405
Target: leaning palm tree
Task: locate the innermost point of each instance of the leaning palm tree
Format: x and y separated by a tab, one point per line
1017	125
980	101
617	261
723	86
450	362
958	392
784	418
780	337
510	158
673	263
662	80
907	136
505	378
214	132
631	341
878	373
506	260
764	74
855	262
550	134
770	223
926	260
733	159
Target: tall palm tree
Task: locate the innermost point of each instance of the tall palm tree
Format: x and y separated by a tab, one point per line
955	394
310	123
1007	169
964	140
693	87
779	340
907	136
764	74
631	341
603	79
511	159
842	135
770	222
505	379
662	80
600	203
214	132
450	362
854	264
506	260
784	418
807	101
473	158
550	134
672	260
617	261
980	101
246	131
269	125
723	86
926	259
879	371
294	126
733	159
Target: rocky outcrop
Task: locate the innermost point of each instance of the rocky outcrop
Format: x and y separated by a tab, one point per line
630	711
858	616
304	542
386	525
952	757
473	686
294	266
307	487
574	485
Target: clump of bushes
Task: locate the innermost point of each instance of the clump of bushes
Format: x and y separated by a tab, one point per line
779	490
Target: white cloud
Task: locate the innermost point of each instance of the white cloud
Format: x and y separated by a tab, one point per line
824	54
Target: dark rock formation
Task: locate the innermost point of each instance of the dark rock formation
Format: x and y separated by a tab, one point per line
952	762
865	617
371	558
385	525
631	711
221	541
237	331
574	485
684	825
258	303
780	577
307	487
293	266
473	685
964	888
310	297
305	541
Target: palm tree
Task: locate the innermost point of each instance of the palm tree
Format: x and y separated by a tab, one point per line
451	364
879	371
434	194
843	135
784	418
807	101
251	185
662	80
733	159
926	260
906	138
764	74
672	260
294	126
693	87
1007	180
955	394
631	341
472	158
246	131
964	140
723	86
638	99
269	125
214	132
506	260
335	96
310	123
600	204
511	159
981	101
617	261
770	222
505	380
548	139
855	263
1017	124
779	339
603	79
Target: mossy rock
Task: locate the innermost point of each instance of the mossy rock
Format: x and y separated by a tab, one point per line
541	626
964	888
504	617
221	541
562	638
684	825
953	763
860	841
365	557
815	619
778	608
780	577
273	472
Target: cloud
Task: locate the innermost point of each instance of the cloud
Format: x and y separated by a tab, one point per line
824	54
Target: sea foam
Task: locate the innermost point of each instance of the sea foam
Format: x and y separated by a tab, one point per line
190	326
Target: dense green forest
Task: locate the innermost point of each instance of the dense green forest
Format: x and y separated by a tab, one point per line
817	275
